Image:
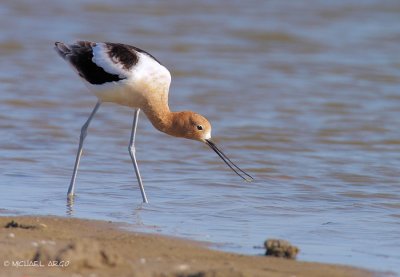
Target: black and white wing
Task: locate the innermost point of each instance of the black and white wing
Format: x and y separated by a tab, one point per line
100	63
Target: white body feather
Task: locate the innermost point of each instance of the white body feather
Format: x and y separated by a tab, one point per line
146	80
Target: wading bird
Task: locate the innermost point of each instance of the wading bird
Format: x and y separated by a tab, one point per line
129	76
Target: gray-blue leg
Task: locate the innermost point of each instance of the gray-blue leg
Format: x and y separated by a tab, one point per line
79	153
132	152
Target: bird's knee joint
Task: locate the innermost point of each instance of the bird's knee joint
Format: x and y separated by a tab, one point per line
132	148
83	132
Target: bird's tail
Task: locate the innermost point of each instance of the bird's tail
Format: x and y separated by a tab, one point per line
62	49
67	50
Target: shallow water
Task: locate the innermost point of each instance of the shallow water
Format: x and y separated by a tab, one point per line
304	95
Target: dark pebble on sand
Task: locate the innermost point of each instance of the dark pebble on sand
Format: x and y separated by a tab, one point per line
280	248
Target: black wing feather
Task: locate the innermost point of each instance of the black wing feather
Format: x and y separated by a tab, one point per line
80	55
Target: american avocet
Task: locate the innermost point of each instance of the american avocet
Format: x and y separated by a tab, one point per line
129	76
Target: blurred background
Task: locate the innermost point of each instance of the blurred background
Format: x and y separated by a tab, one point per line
304	95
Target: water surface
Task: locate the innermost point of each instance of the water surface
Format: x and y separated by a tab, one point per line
304	95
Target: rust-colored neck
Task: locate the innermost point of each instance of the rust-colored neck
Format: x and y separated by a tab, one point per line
160	116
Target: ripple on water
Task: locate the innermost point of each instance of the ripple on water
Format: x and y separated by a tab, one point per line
10	47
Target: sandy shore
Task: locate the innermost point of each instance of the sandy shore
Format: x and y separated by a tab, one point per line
53	246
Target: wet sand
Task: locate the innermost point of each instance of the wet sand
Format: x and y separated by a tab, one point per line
54	246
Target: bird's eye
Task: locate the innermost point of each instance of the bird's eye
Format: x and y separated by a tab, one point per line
199	127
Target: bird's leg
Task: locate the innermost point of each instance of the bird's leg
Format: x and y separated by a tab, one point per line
79	153
132	152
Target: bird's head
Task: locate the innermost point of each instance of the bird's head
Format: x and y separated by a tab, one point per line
194	126
191	125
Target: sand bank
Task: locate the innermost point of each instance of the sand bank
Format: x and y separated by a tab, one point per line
54	246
